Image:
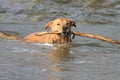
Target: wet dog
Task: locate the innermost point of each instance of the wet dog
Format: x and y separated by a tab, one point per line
60	26
60	33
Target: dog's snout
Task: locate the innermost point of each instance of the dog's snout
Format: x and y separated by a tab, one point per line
64	28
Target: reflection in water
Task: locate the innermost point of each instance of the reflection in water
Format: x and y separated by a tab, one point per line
54	63
58	55
58	60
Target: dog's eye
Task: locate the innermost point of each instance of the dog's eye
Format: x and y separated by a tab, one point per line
67	23
58	24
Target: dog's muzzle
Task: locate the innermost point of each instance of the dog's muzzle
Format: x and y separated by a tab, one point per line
65	31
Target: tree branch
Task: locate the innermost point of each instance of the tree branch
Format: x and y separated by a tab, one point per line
97	37
109	40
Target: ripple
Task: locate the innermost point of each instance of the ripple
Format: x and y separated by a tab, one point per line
18	49
43	70
80	62
45	44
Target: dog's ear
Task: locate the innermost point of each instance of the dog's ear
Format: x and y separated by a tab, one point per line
73	23
49	24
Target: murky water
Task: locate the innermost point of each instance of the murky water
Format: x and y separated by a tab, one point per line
88	59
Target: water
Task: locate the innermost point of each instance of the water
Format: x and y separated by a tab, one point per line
87	59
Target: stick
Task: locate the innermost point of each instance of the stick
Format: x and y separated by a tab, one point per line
109	40
7	36
43	33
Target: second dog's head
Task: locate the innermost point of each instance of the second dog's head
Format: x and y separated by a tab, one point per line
60	25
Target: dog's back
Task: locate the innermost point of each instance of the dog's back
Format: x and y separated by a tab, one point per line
45	38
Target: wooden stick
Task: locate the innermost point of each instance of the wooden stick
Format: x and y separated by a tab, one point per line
109	40
7	36
43	33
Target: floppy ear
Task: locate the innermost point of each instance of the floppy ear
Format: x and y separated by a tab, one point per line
73	23
48	24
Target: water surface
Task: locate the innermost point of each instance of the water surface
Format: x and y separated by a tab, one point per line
88	59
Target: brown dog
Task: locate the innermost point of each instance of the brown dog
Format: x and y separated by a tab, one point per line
60	33
61	26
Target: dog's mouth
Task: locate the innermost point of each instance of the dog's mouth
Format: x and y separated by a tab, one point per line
65	31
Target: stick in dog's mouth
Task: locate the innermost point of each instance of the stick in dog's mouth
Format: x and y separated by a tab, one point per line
109	40
66	32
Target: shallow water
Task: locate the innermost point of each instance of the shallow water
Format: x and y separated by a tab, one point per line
87	59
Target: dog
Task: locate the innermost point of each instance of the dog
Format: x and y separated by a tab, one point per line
60	26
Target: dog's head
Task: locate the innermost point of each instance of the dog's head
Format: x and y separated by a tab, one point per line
60	25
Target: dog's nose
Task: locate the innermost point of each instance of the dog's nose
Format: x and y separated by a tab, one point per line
64	28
